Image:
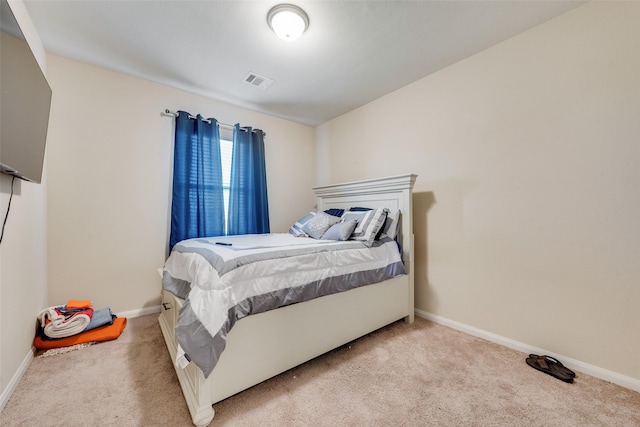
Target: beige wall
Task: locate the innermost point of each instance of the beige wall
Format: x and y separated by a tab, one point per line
109	170
527	203
23	256
23	268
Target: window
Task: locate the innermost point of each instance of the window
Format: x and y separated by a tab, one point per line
244	192
226	151
203	184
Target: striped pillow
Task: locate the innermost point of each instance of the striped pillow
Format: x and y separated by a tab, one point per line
392	224
296	228
369	224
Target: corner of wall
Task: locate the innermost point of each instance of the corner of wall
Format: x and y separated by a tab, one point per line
30	33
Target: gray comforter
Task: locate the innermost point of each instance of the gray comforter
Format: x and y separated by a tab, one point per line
222	284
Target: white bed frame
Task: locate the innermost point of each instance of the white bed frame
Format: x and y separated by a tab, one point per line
267	344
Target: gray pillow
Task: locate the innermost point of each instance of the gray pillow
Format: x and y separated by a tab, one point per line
319	224
296	228
340	231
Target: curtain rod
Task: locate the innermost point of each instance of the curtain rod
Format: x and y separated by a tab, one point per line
175	114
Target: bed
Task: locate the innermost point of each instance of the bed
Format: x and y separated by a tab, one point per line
263	345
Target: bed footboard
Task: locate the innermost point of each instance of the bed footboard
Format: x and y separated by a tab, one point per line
267	344
191	380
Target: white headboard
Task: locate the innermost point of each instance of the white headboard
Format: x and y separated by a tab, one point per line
393	192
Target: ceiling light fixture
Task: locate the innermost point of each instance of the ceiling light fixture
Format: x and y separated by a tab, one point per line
288	21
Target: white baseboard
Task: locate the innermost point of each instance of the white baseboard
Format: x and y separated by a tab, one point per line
11	386
594	371
139	312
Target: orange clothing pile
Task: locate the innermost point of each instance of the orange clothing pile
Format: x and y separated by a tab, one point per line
107	332
74	304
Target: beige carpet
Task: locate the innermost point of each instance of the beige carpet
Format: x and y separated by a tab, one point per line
422	374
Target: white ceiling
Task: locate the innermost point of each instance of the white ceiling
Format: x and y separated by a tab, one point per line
352	53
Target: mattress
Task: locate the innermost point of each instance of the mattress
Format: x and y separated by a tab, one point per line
225	279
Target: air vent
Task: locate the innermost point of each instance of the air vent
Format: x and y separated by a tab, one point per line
259	81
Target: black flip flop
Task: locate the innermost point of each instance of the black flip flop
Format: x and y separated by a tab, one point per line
551	366
553	361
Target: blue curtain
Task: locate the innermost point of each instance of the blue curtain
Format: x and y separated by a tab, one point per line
248	206
197	208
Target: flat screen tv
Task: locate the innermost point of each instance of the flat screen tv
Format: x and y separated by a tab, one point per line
25	101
